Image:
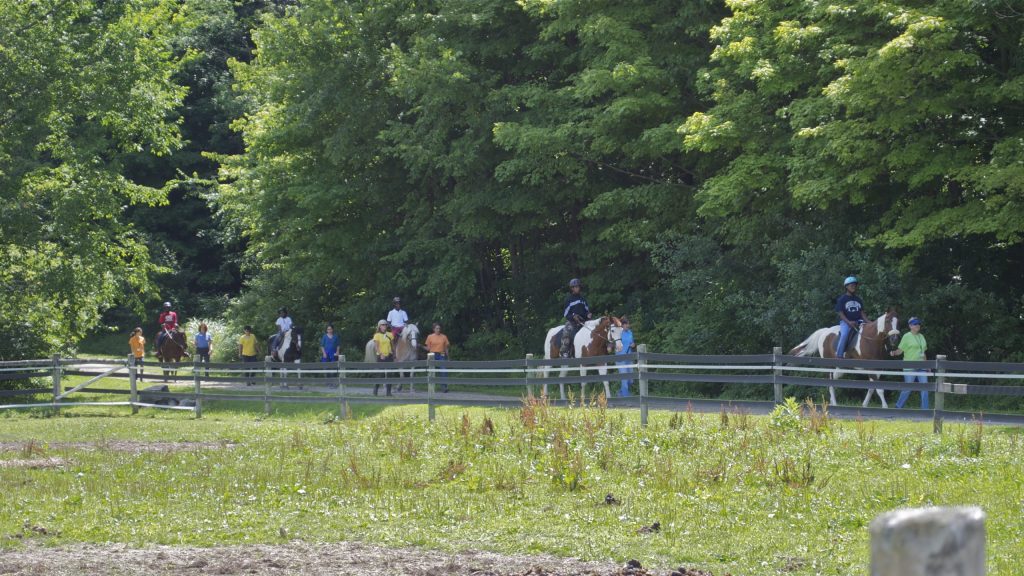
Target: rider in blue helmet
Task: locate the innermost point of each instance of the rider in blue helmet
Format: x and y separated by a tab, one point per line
576	312
850	308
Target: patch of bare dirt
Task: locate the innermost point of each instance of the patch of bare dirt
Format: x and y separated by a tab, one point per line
341	559
131	446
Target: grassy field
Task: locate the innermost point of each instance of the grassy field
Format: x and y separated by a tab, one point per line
732	492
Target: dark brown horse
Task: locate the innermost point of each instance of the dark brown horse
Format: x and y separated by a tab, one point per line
873	342
172	350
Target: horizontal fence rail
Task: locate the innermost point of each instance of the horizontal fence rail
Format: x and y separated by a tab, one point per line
341	383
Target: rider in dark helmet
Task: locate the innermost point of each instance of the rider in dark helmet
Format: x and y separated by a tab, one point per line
576	312
168	321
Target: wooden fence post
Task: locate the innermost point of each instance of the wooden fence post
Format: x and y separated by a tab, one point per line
342	401
940	394
929	542
133	385
641	377
56	382
197	407
529	374
266	384
776	352
431	359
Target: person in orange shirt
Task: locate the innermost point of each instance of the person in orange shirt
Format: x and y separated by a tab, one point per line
137	343
438	343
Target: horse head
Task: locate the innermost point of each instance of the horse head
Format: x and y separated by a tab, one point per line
888	328
297	338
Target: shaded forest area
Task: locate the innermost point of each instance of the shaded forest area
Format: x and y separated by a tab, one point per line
714	169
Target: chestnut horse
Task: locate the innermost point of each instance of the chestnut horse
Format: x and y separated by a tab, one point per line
595	338
872	342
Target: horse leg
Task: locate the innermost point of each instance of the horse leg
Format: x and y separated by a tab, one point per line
831	389
881	394
563	371
607	386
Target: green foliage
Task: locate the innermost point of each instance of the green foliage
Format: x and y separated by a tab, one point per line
786	416
83	85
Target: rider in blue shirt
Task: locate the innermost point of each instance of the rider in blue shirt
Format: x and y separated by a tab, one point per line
576	312
850	308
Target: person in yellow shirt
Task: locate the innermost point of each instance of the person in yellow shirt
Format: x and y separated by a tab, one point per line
137	343
248	349
382	340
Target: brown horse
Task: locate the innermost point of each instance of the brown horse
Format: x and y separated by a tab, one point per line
172	350
873	342
595	338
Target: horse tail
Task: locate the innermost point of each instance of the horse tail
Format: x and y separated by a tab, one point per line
809	347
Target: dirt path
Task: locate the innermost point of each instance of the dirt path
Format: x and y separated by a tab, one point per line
344	559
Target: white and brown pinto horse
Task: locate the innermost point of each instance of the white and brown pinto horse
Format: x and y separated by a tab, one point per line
404	349
872	342
595	338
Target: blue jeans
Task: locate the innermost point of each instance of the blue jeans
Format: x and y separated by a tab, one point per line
919	377
442	372
844	338
624	385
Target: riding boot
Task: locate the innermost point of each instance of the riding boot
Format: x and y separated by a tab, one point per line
376	387
387	388
567	334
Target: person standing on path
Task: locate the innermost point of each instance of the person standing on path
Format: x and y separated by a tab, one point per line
382	341
397	317
438	343
137	343
626	346
329	343
204	346
913	347
248	349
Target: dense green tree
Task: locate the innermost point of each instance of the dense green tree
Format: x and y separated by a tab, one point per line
83	85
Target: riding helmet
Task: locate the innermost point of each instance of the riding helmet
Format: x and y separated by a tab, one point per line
282	311
382	323
396	300
575	282
850	280
167	304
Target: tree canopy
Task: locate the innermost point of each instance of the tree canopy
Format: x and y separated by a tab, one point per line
714	169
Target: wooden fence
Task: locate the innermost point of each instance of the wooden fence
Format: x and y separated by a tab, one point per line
342	382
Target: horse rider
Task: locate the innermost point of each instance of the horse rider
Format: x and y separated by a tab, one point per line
168	321
284	324
576	313
850	308
397	318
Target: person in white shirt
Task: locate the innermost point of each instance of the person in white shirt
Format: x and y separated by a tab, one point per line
397	317
284	324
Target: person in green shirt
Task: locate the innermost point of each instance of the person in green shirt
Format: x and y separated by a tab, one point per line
913	347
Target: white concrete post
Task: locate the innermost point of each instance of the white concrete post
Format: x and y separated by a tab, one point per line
529	375
430	386
929	542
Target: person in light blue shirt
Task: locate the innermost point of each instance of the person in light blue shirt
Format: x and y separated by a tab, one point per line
329	343
628	347
204	345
